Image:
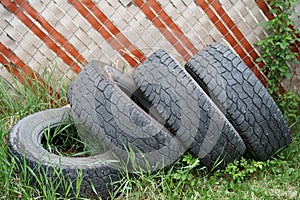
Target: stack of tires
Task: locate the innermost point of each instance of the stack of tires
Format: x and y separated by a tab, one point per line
214	107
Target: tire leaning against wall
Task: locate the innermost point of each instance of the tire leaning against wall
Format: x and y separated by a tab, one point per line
25	145
127	85
137	138
188	111
243	98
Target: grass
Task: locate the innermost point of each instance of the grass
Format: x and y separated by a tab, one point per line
277	178
63	140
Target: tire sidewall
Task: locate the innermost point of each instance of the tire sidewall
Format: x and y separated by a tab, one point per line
26	136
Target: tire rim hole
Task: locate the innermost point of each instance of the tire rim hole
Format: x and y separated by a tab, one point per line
63	140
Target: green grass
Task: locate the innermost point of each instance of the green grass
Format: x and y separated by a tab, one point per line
277	178
63	140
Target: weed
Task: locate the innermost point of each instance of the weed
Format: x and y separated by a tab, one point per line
277	54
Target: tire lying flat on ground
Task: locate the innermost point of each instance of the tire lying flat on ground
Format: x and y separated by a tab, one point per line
242	97
188	111
119	123
25	142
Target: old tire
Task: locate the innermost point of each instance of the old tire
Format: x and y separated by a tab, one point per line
128	86
188	111
242	97
116	120
25	145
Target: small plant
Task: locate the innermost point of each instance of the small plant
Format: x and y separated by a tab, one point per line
290	102
184	174
241	169
277	54
183	177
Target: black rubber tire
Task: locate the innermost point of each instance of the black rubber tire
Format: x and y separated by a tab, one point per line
116	120
129	87
25	144
188	111
242	97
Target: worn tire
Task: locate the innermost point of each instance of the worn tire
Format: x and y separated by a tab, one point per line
25	145
116	120
129	87
242	97
188	111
